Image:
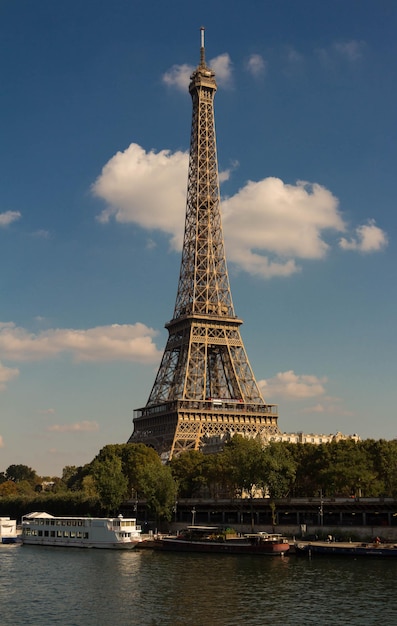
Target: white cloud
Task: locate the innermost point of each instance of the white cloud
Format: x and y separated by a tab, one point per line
317	408
269	225
117	342
292	386
150	244
294	57
350	50
286	221
8	217
179	75
369	238
256	65
223	68
225	174
7	374
148	188
84	426
42	234
294	63
327	407
342	52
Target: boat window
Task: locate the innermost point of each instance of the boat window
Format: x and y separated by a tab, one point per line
52	533
65	533
59	533
86	535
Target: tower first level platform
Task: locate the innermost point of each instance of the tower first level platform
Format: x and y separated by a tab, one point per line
180	425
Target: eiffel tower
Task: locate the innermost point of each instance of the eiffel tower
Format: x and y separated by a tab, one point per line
205	390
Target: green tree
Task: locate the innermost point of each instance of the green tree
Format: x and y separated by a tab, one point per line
309	460
278	470
383	455
89	487
110	482
25	488
21	472
8	488
134	458
69	475
188	470
159	489
217	476
347	469
244	463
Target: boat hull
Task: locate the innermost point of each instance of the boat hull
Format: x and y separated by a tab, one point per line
229	546
98	545
8	540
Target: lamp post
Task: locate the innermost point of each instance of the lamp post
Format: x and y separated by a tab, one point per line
135	507
193	515
321	508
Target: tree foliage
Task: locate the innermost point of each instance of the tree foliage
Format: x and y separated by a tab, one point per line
190	472
365	468
122	471
159	489
18	473
110	482
243	461
279	470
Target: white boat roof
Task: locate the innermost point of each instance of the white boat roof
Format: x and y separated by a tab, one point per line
42	514
37	514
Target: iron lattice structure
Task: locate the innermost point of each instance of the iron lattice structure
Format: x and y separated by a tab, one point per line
205	389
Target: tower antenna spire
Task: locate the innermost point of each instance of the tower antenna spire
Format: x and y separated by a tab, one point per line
202	48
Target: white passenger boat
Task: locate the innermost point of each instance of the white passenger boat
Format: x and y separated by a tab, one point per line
42	529
8	530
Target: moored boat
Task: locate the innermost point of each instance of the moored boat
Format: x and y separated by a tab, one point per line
8	530
212	540
375	548
43	529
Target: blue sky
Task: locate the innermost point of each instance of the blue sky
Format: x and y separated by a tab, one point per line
95	127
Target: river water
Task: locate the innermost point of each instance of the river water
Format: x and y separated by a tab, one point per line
79	587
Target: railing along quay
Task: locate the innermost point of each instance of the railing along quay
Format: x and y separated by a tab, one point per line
333	512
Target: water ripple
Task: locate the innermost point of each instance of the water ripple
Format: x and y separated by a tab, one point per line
66	587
